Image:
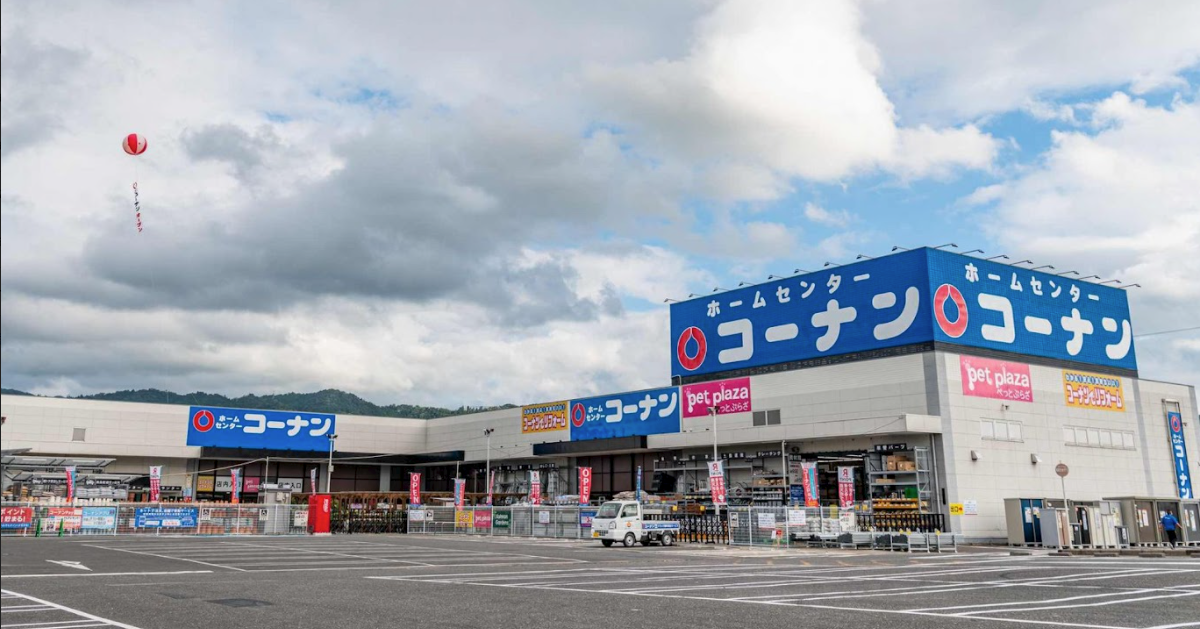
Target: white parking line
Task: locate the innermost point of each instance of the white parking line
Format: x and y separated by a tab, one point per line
83	619
710	583
101	574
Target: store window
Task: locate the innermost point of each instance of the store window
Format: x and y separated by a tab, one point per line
1000	430
767	418
1098	438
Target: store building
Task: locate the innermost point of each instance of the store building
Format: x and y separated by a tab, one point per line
945	383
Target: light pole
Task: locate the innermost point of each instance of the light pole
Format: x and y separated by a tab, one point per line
712	410
329	469
487	465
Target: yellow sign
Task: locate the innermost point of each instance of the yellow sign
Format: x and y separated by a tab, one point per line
1093	390
463	519
544	417
204	483
956	508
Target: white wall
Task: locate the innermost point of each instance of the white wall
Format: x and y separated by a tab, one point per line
1005	469
114	429
861	398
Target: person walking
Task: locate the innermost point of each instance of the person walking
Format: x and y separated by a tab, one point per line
1170	524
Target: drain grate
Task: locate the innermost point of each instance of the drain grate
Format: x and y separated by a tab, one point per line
239	602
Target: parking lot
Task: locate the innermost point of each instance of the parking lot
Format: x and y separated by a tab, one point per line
387	581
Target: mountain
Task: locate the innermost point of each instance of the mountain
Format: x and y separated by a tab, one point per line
327	401
13	392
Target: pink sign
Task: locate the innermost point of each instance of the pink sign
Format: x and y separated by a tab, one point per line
984	377
250	485
729	396
481	519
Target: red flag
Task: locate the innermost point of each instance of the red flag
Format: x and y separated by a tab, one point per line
585	485
414	488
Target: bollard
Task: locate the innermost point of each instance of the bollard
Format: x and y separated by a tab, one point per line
62	526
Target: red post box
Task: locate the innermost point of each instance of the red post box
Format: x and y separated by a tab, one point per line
319	506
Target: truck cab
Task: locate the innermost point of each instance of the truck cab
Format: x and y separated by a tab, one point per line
625	521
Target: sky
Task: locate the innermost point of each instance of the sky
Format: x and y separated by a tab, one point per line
481	203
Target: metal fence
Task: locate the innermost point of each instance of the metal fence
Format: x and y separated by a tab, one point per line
549	521
737	526
172	518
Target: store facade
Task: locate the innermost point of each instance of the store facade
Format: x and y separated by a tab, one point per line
925	382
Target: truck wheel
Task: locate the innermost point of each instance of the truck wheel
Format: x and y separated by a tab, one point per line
668	539
630	540
607	543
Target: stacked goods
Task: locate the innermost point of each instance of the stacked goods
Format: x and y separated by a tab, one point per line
899	463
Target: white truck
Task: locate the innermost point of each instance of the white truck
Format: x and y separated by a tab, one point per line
625	521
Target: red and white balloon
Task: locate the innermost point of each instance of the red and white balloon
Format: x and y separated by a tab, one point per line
134	144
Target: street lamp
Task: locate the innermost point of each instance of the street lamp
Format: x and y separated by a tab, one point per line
712	410
329	469
487	466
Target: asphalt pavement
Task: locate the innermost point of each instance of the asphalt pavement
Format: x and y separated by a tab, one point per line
363	581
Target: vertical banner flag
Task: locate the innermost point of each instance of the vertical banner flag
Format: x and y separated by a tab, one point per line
414	488
187	488
491	485
460	489
155	481
235	479
846	487
1183	481
312	479
70	469
716	482
639	484
585	485
535	488
809	480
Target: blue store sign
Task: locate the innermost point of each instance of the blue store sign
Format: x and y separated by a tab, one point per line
1183	480
649	412
902	299
275	430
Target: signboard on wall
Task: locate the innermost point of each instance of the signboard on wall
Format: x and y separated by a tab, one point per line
1093	390
853	308
16	517
998	379
224	485
649	412
548	417
1183	481
1002	307
275	430
729	396
155	518
906	298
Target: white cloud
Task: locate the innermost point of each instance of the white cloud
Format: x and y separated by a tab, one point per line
787	88
463	218
1121	203
822	216
1045	111
963	58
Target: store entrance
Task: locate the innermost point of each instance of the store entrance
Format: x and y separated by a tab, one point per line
829	466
